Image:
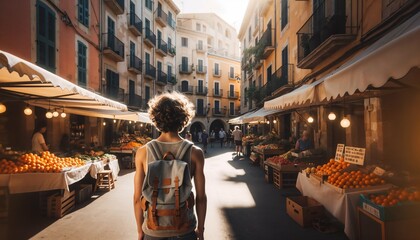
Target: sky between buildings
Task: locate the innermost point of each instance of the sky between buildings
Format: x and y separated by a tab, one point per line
232	11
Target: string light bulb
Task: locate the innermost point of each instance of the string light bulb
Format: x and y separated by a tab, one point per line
55	113
268	122
27	111
104	123
63	114
115	121
274	121
332	116
2	108
49	114
141	124
310	119
345	122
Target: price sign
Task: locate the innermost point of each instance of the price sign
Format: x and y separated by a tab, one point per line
379	171
354	155
339	152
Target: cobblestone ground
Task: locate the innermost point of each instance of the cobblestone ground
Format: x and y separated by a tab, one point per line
240	206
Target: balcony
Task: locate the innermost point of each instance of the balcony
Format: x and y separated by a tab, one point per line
185	69
135	24
150	71
217	112
134	101
171	23
234	112
117	6
172	78
150	39
186	89
162	78
113	48
257	64
200	90
282	78
171	50
161	17
217	93
201	48
162	48
217	73
233	94
135	64
201	69
331	26
266	44
200	113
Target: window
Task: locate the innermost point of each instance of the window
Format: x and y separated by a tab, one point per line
216	69
232	72
246	96
200	107
45	36
184	86
159	66
149	4
132	54
216	88
184	42
231	90
184	64
198	27
170	20
131	92
284	13
169	42
232	108
81	63
200	45
268	74
83	12
112	83
200	86
217	107
259	81
200	66
147	57
204	28
146	94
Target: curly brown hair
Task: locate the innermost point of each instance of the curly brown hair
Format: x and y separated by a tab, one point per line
171	112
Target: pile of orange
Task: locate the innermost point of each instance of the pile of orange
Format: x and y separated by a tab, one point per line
331	167
354	179
47	163
395	196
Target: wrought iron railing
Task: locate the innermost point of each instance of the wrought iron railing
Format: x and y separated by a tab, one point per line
136	22
114	44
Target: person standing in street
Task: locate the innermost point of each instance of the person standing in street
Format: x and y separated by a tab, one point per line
222	136
170	113
237	138
38	140
204	140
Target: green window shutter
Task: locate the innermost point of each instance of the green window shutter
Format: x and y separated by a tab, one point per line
82	63
45	36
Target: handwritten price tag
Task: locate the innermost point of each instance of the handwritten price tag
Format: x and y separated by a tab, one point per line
379	171
354	155
339	152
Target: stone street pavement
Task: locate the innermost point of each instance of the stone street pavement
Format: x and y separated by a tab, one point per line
240	206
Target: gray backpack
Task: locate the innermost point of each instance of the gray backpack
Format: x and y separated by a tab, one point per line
167	199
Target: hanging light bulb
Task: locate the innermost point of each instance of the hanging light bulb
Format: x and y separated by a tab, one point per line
63	114
310	119
268	121
129	122
274	121
141	124
27	111
115	121
104	123
55	113
2	108
345	122
49	114
332	116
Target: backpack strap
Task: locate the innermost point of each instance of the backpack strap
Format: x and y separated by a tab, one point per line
185	146
154	149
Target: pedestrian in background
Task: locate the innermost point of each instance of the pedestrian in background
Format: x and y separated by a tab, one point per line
204	140
222	137
237	137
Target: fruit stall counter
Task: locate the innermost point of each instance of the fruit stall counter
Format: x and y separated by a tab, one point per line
342	205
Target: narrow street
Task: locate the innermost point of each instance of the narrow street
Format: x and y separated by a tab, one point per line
240	206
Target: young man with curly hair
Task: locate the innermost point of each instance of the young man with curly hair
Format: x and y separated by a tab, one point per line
170	113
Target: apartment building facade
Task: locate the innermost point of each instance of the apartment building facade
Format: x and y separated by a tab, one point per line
208	69
309	41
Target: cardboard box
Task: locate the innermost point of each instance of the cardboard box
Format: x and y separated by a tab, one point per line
304	210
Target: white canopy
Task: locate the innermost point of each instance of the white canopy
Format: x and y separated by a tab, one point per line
239	120
259	115
23	80
392	56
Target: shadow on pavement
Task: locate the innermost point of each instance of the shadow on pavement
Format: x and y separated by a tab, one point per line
269	211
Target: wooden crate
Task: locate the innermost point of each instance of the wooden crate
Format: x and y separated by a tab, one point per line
268	173
59	206
284	179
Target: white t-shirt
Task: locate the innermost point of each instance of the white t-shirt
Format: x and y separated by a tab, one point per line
237	135
222	134
37	140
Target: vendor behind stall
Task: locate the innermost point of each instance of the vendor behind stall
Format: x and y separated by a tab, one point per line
38	140
304	143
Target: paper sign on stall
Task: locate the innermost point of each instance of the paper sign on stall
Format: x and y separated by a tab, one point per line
354	155
379	171
339	152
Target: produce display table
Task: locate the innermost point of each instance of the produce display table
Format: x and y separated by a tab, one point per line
100	165
342	206
265	153
37	182
282	175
